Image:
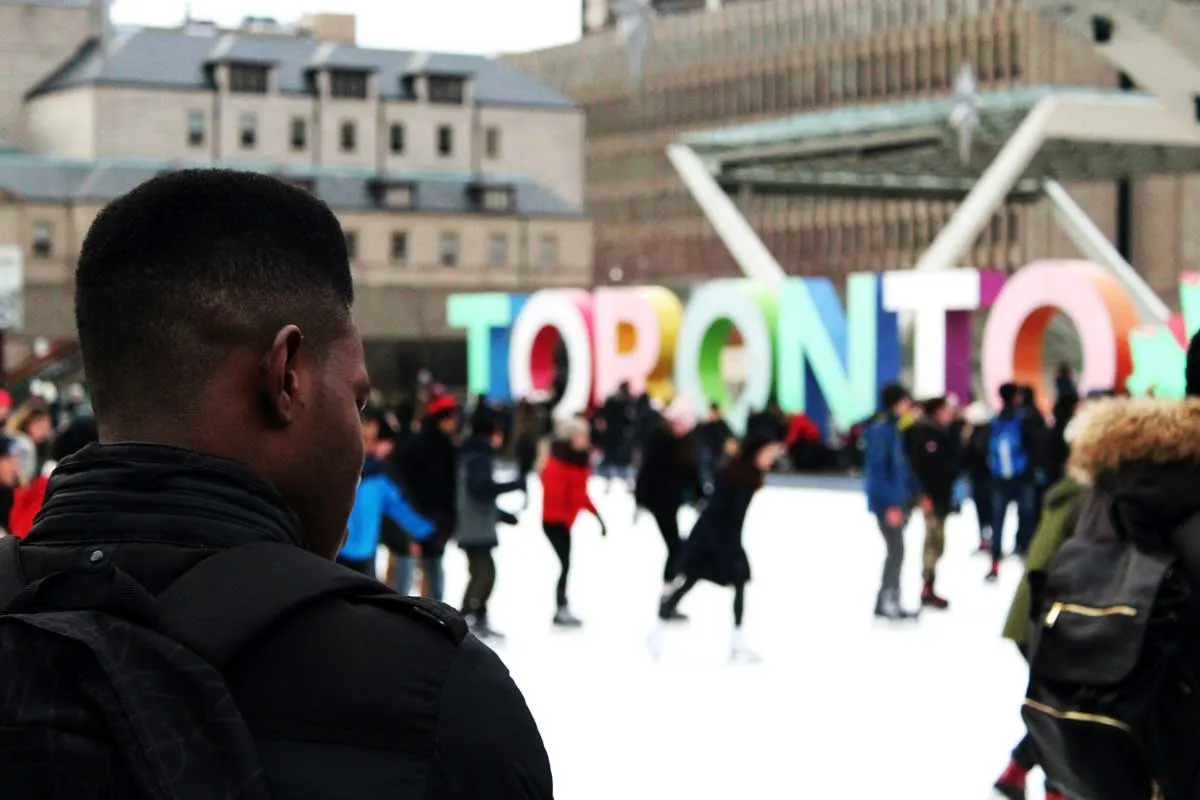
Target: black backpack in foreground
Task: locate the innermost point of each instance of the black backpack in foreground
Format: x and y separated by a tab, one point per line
1113	704
108	692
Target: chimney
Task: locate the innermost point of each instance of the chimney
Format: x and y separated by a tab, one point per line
327	27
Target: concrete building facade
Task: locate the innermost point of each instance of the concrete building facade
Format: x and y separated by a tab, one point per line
448	172
766	59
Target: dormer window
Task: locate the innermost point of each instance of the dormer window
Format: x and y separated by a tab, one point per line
249	78
496	199
398	196
348	84
447	89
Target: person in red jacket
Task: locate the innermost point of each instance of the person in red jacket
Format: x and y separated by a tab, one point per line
564	496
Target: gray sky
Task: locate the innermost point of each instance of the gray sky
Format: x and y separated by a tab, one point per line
466	26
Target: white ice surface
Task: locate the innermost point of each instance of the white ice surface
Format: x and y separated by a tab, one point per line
841	707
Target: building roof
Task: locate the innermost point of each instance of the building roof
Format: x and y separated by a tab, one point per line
43	179
911	147
179	59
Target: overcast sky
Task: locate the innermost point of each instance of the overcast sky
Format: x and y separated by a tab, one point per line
465	26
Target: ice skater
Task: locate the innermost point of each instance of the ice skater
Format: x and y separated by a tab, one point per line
564	496
714	552
669	478
890	488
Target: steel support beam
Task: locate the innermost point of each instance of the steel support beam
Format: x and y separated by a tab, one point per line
747	249
989	193
1094	245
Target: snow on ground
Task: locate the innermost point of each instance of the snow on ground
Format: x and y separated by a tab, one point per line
843	706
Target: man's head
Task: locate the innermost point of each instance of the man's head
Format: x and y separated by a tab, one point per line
938	410
485	429
714	411
895	398
213	310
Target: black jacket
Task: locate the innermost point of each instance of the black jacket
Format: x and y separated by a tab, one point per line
669	474
478	490
343	699
934	461
428	472
713	550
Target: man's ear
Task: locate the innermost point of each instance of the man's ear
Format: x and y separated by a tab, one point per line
279	376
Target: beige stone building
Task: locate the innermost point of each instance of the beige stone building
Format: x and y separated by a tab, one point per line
450	173
762	59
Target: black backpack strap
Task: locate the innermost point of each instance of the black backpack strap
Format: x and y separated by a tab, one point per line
228	599
12	577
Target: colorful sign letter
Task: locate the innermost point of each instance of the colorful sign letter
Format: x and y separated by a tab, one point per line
548	317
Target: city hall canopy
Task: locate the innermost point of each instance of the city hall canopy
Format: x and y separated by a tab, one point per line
912	148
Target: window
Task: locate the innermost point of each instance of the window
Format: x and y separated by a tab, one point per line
248	78
498	250
445	141
446	89
349	137
399	196
448	249
43	240
400	247
548	250
492	142
396	138
195	128
497	199
348	84
299	133
351	245
248	131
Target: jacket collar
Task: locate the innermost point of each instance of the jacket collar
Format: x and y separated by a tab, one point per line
155	493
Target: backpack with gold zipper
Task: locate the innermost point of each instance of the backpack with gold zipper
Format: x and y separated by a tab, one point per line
1113	704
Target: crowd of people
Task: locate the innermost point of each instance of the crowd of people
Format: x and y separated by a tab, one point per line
931	456
431	479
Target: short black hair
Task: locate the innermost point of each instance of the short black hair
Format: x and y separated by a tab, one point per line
891	395
192	263
933	406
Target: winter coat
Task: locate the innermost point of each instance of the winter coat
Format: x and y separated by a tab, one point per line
713	550
343	699
934	462
565	485
1060	515
975	455
887	477
669	475
477	493
429	476
377	496
1142	459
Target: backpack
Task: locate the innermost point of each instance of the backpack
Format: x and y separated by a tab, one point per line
1113	703
1006	447
110	692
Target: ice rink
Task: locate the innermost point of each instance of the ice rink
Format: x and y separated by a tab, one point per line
842	706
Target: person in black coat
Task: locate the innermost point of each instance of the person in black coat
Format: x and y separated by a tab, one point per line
669	478
429	474
236	425
714	552
934	459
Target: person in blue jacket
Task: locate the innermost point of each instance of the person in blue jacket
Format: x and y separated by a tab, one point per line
889	485
378	495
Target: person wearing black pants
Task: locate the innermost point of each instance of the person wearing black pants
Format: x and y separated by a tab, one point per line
668	478
560	539
714	552
478	516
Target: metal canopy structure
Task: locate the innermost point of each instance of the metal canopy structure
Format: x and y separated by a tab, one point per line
909	149
1024	144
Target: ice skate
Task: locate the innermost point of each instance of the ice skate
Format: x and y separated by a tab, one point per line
889	608
741	654
563	618
994	573
483	630
1011	784
673	615
931	599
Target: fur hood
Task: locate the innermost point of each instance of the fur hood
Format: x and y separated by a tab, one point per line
1115	433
